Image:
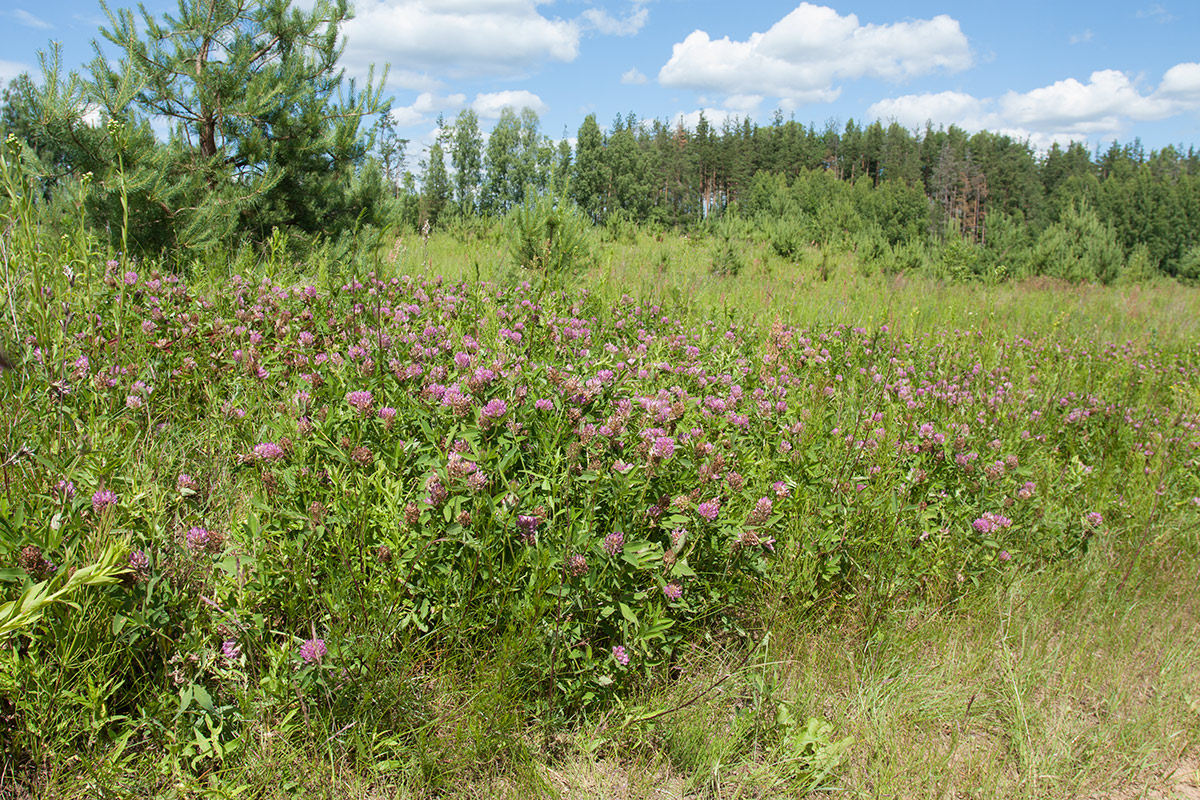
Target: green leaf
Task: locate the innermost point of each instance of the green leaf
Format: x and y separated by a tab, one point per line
628	614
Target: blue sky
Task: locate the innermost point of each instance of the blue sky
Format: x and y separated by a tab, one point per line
1042	70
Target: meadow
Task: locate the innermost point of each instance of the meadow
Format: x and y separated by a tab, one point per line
422	523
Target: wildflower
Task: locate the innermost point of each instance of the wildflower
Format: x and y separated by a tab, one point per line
130	278
268	451
1094	519
362	456
709	509
528	526
437	491
663	447
1026	491
761	512
577	565
388	415
990	522
360	400
34	562
781	489
495	409
673	590
312	651
133	402
65	490
198	538
102	500
139	565
230	649
620	655
1004	556
614	543
477	481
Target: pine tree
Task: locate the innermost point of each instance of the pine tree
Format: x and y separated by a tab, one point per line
262	131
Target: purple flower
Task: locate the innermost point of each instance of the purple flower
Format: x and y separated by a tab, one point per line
620	655
102	500
495	409
388	415
1004	556
65	490
663	447
360	400
230	649
133	402
991	522
139	563
673	590
198	538
709	509
1095	519
312	651
268	451
543	404
131	278
577	565
528	526
187	484
761	513
614	542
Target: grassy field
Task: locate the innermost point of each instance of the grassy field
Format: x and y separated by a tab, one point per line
942	540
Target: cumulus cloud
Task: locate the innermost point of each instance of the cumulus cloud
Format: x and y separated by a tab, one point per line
1064	110
423	39
426	104
488	105
801	58
633	76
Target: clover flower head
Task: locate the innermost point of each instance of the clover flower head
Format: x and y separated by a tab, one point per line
312	651
103	500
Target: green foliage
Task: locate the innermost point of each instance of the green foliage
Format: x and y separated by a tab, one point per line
549	237
1079	247
263	133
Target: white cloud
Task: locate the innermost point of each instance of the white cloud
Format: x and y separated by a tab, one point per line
455	38
1084	36
801	57
1157	13
489	104
716	118
603	22
25	18
633	76
1062	111
1181	86
11	69
426	103
1070	105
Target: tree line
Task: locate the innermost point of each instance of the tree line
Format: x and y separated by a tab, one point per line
230	119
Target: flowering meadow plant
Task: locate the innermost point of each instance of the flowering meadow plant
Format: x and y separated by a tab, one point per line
581	488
